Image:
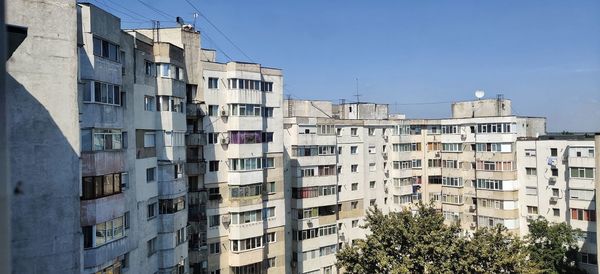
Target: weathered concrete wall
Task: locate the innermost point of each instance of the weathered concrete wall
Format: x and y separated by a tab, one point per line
44	133
4	185
482	108
597	184
307	108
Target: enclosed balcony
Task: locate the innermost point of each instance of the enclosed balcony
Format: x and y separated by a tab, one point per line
193	169
102	162
194	110
99	210
195	139
97	256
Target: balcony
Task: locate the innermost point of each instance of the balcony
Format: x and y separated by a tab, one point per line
145	152
101	116
168	222
245	122
102	209
193	110
172	187
102	162
170	87
247	230
246	257
195	139
193	169
97	256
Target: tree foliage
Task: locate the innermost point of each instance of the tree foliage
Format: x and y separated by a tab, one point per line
407	242
553	246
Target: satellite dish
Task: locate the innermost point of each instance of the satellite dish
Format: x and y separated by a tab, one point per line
479	93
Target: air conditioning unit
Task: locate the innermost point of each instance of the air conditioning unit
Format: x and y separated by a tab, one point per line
530	217
309	223
226	220
473	225
553	199
224	141
224	113
552	180
463	137
472	207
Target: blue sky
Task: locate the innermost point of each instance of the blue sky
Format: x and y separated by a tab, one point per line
544	55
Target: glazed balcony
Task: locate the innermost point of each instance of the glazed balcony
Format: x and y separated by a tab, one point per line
102	162
102	209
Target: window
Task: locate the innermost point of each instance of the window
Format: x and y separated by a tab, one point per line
354	186
325	130
103	93
246	244
106	49
371	131
530	152
530	171
354	223
582	172
150	68
452	181
169	103
532	210
104	232
101	186
531	190
554	171
354	205
169	206
213	83
180	236
252	216
107	139
354	168
213	110
372	167
372	202
150	174
213	166
271	187
249	164
214	220
212	137
152	246
556	212
555	192
553	152
149	139
214	248
270	237
491	184
354	131
353	149
588	258
152	210
583	214
246	190
149	103
451	147
581	194
372	184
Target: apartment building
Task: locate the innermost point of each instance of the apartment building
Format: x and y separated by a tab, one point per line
132	93
556	175
246	208
337	166
465	164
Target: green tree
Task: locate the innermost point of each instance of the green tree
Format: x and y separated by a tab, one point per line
403	242
553	246
495	250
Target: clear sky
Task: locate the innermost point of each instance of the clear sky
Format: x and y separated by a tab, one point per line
544	55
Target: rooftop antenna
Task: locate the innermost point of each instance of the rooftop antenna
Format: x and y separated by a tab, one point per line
195	16
357	95
479	94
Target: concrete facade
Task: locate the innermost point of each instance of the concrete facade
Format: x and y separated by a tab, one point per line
44	138
556	180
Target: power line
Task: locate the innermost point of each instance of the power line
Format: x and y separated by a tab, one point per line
132	12
216	46
214	26
161	13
